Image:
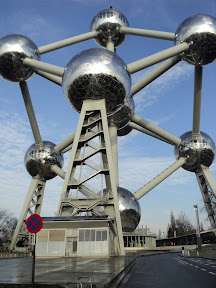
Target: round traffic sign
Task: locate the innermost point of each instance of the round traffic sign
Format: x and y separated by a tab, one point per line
34	223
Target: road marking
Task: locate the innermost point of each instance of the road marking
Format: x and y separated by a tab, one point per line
207	264
203	269
214	266
212	273
196	266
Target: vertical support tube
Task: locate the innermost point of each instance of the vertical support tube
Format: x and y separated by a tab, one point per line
30	112
197	100
110	46
114	147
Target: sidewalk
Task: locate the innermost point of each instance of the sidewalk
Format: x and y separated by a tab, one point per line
102	271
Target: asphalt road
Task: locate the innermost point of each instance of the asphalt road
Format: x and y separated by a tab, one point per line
171	270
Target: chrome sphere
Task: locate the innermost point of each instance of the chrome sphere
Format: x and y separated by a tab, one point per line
199	151
122	117
201	30
96	74
129	208
13	48
39	159
124	131
108	22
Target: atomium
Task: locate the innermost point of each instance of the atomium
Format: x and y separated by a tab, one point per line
108	22
38	160
199	151
96	74
199	29
122	117
14	48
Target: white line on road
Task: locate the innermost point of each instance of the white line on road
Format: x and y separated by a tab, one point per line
212	273
203	269
196	266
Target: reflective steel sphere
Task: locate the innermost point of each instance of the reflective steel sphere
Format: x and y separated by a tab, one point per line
96	74
199	152
124	131
13	48
39	159
201	30
109	22
129	208
122	117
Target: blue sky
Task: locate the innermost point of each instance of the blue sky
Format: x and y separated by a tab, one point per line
167	102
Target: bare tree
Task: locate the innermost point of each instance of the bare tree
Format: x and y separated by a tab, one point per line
180	226
7	225
184	225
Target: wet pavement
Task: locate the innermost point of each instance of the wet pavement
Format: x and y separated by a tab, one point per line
62	270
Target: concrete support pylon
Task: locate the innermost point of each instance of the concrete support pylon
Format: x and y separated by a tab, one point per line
92	124
32	205
207	186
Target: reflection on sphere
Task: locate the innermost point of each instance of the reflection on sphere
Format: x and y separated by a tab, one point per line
39	159
199	151
201	30
96	74
129	208
14	48
122	117
108	22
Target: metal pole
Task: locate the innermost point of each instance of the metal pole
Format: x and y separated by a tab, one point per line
197	101
55	79
199	241
38	65
159	178
154	74
156	130
148	33
30	112
33	261
67	42
158	57
114	147
141	129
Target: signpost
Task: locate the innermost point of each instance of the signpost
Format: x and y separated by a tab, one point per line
34	224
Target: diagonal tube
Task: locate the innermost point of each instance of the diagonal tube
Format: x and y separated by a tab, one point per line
67	42
158	57
197	100
141	129
83	189
61	146
30	112
148	33
39	65
156	130
55	79
154	74
159	178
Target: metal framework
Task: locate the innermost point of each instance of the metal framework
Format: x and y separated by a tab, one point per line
93	124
